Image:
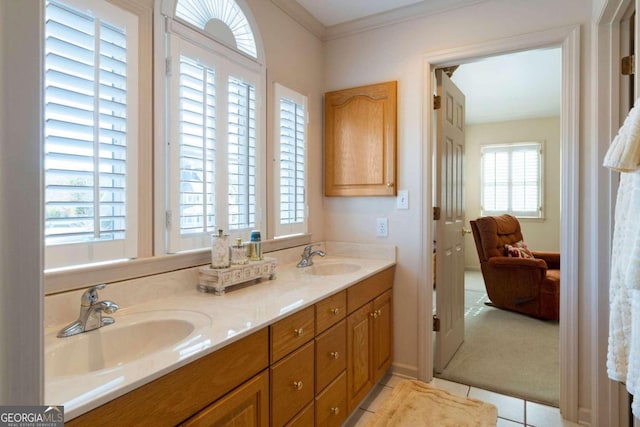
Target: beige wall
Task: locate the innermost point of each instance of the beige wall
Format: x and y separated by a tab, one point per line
538	234
397	52
294	58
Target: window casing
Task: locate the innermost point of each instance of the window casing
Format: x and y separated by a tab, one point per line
511	179
215	138
290	162
90	131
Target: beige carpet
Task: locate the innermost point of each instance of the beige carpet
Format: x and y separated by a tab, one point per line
416	404
507	353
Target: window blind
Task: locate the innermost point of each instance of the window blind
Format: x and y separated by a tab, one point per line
292	162
87	142
197	133
512	179
241	154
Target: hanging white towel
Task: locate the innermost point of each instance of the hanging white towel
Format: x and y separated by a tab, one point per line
623	353
624	152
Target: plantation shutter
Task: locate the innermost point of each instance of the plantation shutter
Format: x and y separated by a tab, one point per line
241	154
290	174
197	141
512	179
90	135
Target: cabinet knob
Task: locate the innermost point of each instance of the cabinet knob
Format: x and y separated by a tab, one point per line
335	410
297	385
374	314
389	184
334	355
298	332
335	310
379	313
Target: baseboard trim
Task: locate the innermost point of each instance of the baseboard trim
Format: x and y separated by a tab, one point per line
404	370
584	417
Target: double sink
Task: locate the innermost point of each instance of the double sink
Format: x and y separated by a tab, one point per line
137	335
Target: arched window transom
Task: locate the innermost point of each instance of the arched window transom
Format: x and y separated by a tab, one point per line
223	19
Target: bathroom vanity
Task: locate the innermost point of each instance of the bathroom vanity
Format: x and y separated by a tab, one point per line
308	359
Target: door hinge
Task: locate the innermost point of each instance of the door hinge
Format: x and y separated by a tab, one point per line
167	66
436	324
436	213
437	101
167	218
627	65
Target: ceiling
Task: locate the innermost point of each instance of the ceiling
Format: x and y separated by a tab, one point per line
510	87
507	87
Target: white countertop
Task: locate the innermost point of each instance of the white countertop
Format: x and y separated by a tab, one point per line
230	317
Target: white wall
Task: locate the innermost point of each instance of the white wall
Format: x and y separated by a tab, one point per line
396	52
542	235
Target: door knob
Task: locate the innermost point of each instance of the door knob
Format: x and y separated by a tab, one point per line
465	231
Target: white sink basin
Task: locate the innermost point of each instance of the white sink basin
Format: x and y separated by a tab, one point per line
131	337
331	269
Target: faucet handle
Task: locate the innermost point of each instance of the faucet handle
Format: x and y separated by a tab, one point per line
90	296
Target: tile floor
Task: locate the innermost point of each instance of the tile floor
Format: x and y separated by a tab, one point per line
512	412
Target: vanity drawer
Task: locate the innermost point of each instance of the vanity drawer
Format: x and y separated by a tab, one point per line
331	355
330	310
363	292
331	404
304	418
291	332
292	384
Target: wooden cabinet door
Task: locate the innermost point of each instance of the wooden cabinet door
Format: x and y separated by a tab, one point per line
247	406
360	141
383	334
359	350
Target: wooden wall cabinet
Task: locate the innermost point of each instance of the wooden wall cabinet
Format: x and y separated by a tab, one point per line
360	141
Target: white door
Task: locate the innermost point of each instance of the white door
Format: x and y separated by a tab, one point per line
449	195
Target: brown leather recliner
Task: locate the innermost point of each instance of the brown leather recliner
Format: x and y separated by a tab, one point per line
528	286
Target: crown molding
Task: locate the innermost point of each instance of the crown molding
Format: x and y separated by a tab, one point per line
395	16
302	17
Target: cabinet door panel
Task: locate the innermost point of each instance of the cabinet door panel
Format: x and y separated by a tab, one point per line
383	334
247	406
360	141
359	349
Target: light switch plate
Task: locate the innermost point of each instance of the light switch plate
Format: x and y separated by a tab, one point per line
402	200
382	227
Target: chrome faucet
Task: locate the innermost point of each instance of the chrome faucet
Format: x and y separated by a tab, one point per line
307	256
91	311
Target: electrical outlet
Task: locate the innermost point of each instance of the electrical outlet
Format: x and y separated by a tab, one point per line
402	201
382	227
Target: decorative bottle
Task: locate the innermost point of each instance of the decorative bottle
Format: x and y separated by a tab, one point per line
219	250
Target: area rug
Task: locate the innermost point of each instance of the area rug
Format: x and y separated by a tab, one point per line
416	404
507	353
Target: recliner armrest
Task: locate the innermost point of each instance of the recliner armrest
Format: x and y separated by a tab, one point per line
551	258
517	263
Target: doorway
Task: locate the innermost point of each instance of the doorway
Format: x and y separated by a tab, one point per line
512	165
568	39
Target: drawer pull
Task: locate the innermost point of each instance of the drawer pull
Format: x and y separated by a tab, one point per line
298	332
335	310
374	314
379	313
334	355
335	410
297	385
